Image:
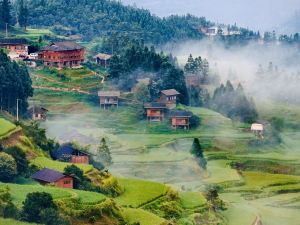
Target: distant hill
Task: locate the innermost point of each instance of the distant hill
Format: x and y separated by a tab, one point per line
94	18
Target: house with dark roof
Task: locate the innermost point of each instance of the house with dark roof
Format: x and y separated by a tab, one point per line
155	111
109	99
103	59
52	177
62	54
16	47
180	119
68	153
38	113
169	97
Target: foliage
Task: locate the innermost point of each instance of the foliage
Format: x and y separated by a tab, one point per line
8	167
5	11
20	159
15	84
199	68
50	216
141	217
111	18
22	14
34	205
6	127
77	173
7	208
103	153
214	200
197	151
234	103
199	97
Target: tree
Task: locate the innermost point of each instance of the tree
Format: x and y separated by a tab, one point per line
5	12
34	204
50	216
77	173
197	151
7	208
20	158
22	14
142	93
103	153
8	167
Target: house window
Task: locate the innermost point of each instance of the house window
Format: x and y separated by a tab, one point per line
67	181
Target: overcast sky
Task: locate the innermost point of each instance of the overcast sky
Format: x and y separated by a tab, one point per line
255	14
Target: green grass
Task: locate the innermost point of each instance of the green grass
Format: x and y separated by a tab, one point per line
190	200
57	165
141	216
6	127
139	192
19	193
13	222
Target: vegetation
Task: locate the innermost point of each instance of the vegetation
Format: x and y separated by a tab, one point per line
103	154
6	127
197	151
20	159
8	167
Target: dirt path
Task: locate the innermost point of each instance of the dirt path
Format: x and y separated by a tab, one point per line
257	221
76	90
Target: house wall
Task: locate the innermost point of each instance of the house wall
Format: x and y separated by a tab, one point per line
66	182
180	122
16	49
80	159
170	101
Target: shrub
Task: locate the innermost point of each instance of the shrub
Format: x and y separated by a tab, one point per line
8	167
20	158
7	208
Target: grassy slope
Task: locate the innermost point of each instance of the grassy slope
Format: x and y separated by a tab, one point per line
141	216
13	222
19	193
60	166
6	127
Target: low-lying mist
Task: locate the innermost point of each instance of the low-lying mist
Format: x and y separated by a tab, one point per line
268	71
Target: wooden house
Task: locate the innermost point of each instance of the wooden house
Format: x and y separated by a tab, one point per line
67	153
16	47
155	111
180	119
103	59
169	97
109	99
38	113
62	54
52	177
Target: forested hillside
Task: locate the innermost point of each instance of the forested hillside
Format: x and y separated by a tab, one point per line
104	17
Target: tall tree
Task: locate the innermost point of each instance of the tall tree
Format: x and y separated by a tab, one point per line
103	153
5	12
22	14
197	151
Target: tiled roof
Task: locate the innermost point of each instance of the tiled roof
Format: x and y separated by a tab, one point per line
155	105
37	109
11	41
48	175
66	150
109	94
181	113
63	46
170	92
103	56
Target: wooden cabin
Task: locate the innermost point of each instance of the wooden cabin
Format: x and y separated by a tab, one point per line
103	59
181	119
16	47
62	54
52	177
109	99
67	153
38	113
169	97
155	111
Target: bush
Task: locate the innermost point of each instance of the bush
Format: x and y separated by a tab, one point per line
50	216
20	158
34	205
8	167
7	208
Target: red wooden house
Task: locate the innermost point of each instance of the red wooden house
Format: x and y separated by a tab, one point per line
155	111
67	153
180	119
169	97
17	47
62	54
52	177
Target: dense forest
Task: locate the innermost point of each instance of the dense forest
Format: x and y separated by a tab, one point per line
96	18
15	85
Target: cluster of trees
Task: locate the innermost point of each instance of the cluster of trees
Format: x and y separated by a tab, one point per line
96	18
198	67
233	103
161	68
11	14
15	85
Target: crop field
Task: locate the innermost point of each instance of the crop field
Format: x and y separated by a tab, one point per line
138	192
19	193
6	127
190	200
141	216
56	165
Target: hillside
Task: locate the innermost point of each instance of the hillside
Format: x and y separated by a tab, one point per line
96	18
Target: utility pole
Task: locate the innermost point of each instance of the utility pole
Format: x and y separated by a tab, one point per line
6	30
18	109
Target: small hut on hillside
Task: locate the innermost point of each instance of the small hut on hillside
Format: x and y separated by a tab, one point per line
109	99
155	111
52	177
38	113
103	59
257	128
169	97
180	119
67	153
